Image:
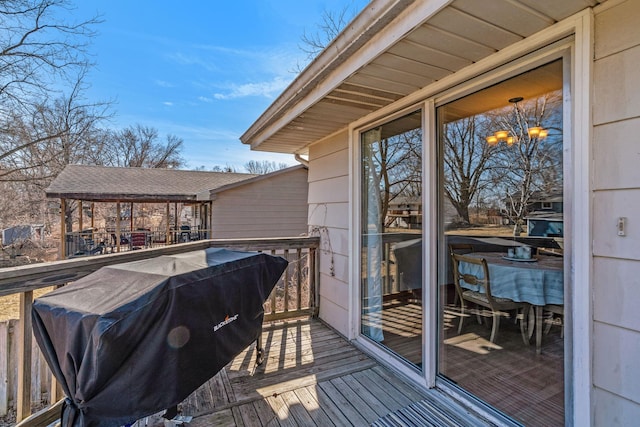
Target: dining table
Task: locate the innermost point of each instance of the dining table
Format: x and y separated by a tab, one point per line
538	281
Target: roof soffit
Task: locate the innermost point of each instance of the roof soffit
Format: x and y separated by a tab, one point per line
423	42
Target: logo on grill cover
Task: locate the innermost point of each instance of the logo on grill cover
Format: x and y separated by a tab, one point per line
225	322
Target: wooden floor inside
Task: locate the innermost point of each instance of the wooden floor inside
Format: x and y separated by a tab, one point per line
310	376
508	375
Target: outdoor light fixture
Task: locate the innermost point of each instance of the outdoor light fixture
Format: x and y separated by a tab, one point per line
503	135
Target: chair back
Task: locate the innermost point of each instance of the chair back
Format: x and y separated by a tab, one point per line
460	248
483	282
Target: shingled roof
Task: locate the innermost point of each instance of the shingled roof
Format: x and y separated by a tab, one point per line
100	183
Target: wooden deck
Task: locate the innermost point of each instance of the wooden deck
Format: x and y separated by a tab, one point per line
310	376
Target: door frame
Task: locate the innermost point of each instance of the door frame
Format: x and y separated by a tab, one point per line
572	37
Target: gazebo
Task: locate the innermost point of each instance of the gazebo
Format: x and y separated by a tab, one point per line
126	187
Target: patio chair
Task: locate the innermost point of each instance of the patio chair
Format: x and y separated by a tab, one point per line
185	233
138	240
484	299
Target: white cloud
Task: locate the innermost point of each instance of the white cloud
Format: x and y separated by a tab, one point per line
163	83
168	103
268	89
188	60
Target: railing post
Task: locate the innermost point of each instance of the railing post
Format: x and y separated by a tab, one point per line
313	275
286	279
23	406
299	278
4	368
55	390
63	229
273	293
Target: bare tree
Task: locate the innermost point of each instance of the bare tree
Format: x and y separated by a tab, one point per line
533	165
39	46
332	23
225	169
57	133
36	148
138	146
263	167
41	53
466	158
392	164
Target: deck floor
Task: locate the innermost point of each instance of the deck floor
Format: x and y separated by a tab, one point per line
310	376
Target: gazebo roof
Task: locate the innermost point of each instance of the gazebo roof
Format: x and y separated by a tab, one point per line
109	184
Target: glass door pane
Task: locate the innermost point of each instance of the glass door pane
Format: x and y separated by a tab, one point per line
500	245
391	241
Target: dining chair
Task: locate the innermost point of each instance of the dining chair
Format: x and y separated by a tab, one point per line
483	297
555	309
459	248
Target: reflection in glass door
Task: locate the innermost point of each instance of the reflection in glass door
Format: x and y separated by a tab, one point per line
391	236
500	245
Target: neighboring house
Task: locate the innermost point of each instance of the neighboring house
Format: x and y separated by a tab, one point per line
405	212
414	67
270	205
545	216
197	203
546	203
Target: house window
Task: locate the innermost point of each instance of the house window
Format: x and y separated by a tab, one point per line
391	236
547	205
501	290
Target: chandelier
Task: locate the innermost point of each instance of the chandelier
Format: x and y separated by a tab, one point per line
505	136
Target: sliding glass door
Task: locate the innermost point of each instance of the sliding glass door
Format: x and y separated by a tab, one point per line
500	245
391	236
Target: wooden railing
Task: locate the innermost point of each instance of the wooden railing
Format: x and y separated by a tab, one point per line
295	295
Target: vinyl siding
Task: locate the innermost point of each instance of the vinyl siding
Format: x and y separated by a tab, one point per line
329	215
616	193
273	207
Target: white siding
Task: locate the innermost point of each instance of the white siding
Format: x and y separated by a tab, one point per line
616	184
329	216
271	207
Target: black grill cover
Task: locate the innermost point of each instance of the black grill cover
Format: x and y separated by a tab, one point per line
132	339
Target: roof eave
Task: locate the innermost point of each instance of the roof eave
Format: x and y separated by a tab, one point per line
369	23
258	178
95	197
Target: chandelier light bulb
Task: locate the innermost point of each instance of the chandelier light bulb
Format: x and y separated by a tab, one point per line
534	131
501	135
492	140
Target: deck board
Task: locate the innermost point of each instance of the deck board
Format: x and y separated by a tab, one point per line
365	407
311	377
373	382
338	400
310	403
297	410
376	402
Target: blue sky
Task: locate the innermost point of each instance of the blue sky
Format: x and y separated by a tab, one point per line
201	70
